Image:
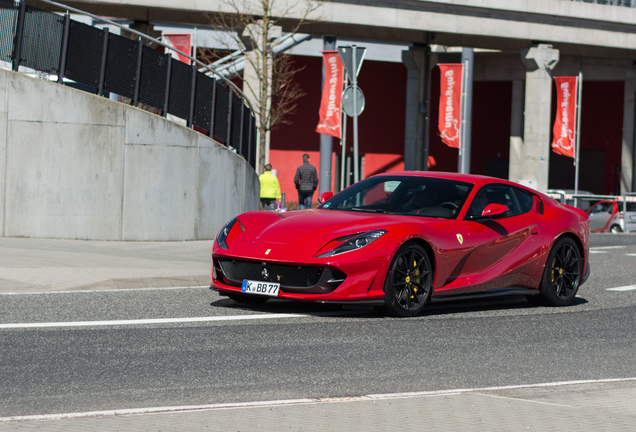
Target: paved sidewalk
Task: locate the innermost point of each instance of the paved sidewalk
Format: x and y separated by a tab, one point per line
44	265
589	407
41	265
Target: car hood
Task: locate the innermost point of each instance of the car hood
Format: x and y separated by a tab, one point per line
305	232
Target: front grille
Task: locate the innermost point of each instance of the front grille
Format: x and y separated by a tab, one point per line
292	278
287	275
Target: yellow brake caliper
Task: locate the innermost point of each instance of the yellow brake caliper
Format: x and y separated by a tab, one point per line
553	262
553	269
415	273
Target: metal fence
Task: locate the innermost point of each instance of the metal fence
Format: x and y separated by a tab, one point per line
109	63
585	201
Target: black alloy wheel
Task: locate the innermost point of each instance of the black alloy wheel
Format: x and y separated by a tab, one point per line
562	274
409	282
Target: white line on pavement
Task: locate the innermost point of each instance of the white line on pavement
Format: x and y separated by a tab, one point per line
103	290
151	321
623	288
606	247
291	402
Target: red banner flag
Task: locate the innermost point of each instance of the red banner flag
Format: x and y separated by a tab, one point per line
180	41
564	139
329	123
450	103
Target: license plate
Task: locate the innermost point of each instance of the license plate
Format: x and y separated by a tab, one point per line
262	288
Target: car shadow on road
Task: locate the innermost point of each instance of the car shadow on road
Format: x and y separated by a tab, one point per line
492	304
281	306
364	311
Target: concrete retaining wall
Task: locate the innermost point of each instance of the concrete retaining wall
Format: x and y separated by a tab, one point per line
78	166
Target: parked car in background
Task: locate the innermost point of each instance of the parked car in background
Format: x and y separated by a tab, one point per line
613	216
584	199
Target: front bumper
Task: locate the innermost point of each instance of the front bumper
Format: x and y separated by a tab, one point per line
301	279
347	282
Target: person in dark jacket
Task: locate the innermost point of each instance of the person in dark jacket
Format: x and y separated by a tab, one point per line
306	181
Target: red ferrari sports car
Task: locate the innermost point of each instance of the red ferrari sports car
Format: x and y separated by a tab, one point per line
400	240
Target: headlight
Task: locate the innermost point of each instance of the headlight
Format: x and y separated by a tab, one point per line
354	243
221	237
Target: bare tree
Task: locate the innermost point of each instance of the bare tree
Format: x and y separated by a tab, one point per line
268	79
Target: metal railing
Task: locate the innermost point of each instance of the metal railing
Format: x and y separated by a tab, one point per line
104	63
585	201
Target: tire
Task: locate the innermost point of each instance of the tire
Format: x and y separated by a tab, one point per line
562	275
409	281
615	229
248	299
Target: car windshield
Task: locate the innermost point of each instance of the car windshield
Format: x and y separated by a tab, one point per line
403	195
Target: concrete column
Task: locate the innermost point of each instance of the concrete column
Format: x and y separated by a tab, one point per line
628	161
529	164
415	136
516	123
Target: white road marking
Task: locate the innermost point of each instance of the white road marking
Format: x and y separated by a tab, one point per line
623	288
606	247
152	321
291	402
103	290
603	249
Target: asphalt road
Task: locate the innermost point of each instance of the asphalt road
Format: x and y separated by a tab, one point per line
95	358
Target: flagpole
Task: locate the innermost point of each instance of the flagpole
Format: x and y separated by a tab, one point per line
579	95
467	89
354	84
343	140
461	122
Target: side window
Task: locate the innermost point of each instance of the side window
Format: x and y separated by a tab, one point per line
517	200
600	208
525	200
603	207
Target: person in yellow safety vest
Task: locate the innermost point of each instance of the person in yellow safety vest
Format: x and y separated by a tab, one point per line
270	189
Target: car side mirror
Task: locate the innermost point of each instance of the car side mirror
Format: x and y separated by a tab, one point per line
325	196
495	211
